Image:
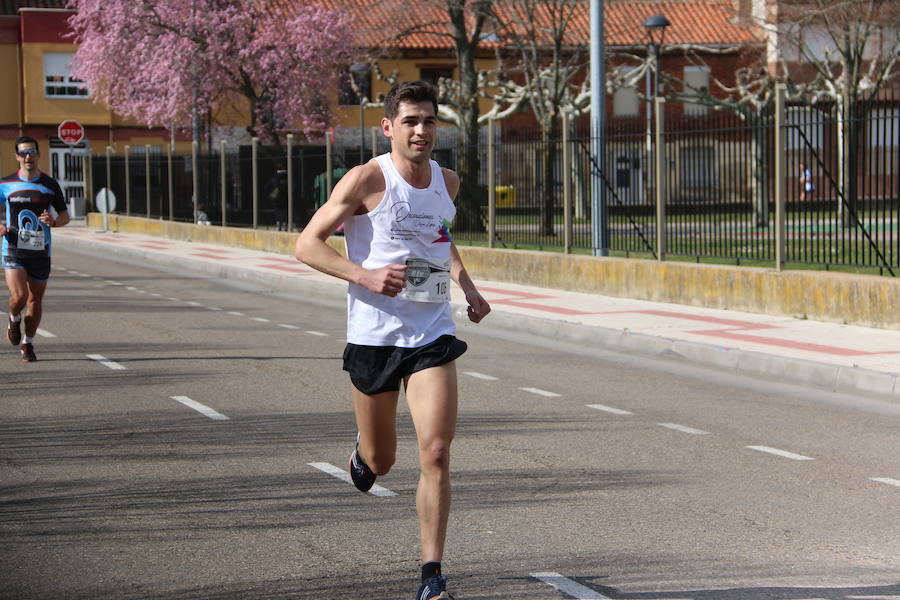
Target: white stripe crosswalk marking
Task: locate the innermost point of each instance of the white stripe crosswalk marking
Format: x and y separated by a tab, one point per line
200	408
609	409
782	453
540	392
568	587
683	428
477	375
106	362
332	470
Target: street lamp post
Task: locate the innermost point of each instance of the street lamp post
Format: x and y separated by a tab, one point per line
656	32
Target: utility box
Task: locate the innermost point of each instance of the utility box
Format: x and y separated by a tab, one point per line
505	196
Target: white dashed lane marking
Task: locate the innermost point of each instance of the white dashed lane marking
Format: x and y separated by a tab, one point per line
887	480
318	333
609	409
200	408
260	320
45	333
332	470
106	362
540	392
782	453
477	375
568	587
683	428
235	313
287	326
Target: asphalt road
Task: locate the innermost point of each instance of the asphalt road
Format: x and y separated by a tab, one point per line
161	447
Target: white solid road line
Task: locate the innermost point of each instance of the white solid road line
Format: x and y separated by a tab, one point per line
332	470
45	333
683	428
540	392
609	409
887	480
200	408
106	362
783	453
477	375
568	587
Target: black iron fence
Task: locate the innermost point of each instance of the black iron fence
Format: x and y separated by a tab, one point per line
832	172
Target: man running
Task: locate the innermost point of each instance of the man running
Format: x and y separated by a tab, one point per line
29	196
396	211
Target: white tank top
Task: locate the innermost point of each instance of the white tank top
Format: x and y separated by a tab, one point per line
408	222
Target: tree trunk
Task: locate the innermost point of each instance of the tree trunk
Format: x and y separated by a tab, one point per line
549	137
471	195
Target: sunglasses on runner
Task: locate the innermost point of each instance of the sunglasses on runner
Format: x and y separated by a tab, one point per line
29	152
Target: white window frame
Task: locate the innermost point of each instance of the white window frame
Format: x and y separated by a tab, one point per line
58	74
695	109
625	99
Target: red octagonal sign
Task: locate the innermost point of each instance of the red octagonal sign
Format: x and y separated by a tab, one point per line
70	132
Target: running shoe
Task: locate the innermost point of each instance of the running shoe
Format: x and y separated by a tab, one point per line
14	332
434	588
363	477
28	353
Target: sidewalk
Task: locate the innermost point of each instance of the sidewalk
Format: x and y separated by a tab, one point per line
845	358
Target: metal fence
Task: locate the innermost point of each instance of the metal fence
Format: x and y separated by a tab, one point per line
833	177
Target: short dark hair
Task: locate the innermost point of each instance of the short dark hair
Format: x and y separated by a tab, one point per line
27	139
409	91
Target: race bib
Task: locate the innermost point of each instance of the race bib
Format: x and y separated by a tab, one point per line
31	239
427	280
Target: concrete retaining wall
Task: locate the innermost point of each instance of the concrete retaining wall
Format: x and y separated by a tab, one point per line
864	300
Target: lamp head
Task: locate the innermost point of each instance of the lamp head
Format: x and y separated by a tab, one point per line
656	27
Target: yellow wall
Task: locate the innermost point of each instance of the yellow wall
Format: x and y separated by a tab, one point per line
408	70
50	111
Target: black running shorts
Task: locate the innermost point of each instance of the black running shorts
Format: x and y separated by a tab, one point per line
37	267
377	369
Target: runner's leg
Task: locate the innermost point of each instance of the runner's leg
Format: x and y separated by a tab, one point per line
376	418
17	282
35	309
433	399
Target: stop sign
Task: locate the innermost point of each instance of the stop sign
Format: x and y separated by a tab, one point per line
70	132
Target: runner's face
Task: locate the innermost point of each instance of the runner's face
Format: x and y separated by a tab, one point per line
27	163
413	130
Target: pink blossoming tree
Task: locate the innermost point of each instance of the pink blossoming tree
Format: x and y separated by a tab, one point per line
156	60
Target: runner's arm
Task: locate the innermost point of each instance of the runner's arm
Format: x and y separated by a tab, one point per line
478	306
345	200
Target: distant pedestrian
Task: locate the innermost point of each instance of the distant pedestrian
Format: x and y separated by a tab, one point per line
31	197
807	189
397	209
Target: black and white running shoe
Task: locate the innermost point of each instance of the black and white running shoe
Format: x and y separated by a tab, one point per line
363	477
434	588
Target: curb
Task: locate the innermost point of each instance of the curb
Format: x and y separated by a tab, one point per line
823	376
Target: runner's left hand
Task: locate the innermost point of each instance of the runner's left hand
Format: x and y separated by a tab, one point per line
478	306
46	218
